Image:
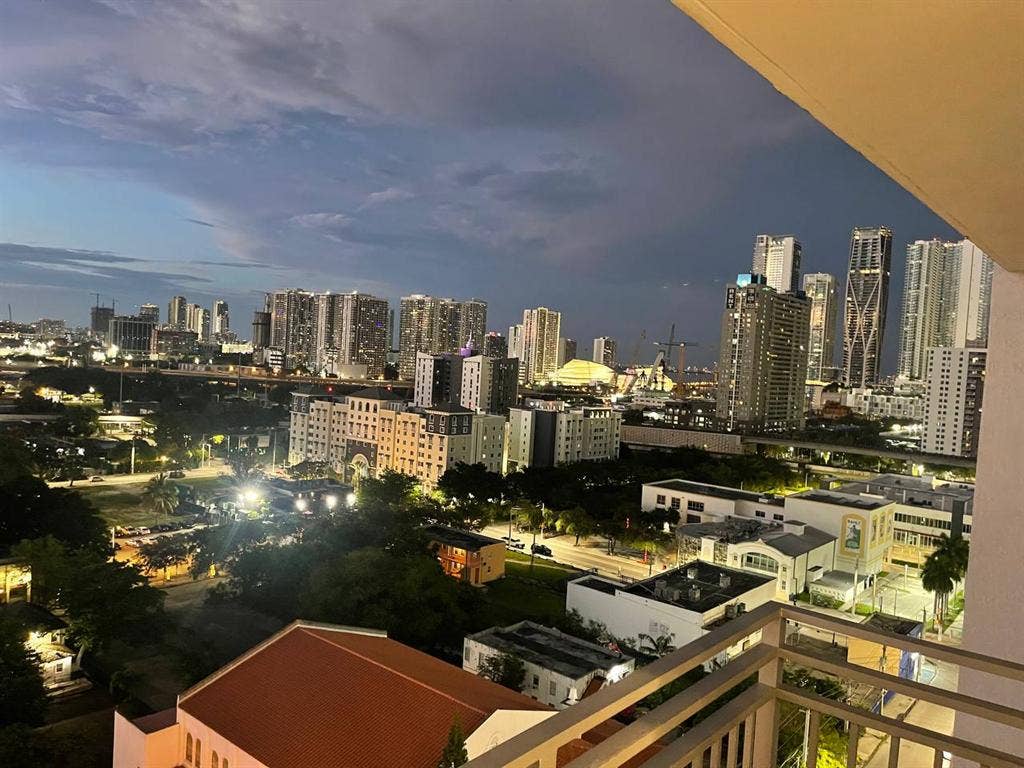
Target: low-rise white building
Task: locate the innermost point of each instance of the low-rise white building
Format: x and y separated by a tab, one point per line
794	553
861	523
885	403
560	669
683	604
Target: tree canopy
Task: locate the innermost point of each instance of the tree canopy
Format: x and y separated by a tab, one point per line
30	509
22	696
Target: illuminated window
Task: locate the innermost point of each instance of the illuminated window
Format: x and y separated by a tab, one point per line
188	747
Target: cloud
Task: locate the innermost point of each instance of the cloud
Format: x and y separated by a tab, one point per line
389	195
556	191
323	220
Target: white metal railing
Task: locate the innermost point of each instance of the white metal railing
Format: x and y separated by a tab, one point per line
744	732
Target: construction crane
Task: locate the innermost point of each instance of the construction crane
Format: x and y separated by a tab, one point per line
664	350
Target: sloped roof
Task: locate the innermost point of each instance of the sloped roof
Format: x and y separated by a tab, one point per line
335	697
376	393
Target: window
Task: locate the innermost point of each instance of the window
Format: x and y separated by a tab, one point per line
695	506
199	752
224	763
551	688
759	512
466	654
675	503
759	562
188	748
777	516
660	500
536	681
214	760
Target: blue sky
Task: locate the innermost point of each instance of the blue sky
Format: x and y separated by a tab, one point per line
606	159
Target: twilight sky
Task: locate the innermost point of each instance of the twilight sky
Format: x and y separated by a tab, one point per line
603	158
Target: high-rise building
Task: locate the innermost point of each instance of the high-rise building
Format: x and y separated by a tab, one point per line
539	347
545	437
777	257
437	326
220	321
438	379
867	298
821	290
604	351
197	319
956	383
762	365
489	384
150	311
168	343
973	296
293	326
260	331
176	312
495	345
946	296
515	342
99	320
131	334
566	350
351	329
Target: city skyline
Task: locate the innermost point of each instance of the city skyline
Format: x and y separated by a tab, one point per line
360	180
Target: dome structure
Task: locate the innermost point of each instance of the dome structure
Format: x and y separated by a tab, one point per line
583	373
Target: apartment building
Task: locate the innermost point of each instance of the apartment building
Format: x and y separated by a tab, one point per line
956	384
544	437
467	555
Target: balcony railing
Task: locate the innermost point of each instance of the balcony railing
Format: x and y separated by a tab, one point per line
744	733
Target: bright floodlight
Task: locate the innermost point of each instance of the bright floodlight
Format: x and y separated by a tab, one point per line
331	501
300	504
251	495
350	499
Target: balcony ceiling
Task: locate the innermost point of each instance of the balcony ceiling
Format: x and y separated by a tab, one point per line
930	92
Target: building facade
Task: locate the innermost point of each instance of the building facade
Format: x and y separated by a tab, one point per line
539	345
169	343
351	330
220	319
885	403
867	299
567	350
293	326
197	320
604	351
762	362
177	313
467	555
131	334
956	384
777	257
489	384
438	326
820	288
545	437
495	345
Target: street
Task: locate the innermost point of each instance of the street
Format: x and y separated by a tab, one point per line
590	555
214	468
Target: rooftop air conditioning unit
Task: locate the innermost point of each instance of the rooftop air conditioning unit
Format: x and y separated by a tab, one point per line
724	580
691	572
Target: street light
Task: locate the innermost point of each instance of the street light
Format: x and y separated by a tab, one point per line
301	505
331	501
350	499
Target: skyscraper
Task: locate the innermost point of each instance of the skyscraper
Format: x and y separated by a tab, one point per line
820	288
220	322
762	364
973	296
437	326
604	351
197	320
352	329
176	317
956	383
495	345
539	344
946	295
99	320
566	350
777	257
867	297
150	312
260	331
293	325
515	342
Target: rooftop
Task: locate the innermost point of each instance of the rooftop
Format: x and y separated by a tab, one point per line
468	540
376	393
718	491
333	697
448	408
674	587
909	490
783	537
895	624
551	649
841	499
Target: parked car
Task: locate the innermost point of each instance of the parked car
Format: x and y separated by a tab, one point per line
517	545
95	479
541	549
176	473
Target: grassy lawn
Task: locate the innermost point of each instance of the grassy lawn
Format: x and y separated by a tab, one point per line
512	600
126	505
548	571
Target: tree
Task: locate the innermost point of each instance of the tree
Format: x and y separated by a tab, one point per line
942	569
531	516
454	753
78	421
161	494
577	522
505	669
465	482
22	695
165	552
30	509
656	646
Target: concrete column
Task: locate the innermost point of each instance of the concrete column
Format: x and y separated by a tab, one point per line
993	621
766	719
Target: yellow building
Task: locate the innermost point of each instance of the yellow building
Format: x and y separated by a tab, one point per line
427	443
466	555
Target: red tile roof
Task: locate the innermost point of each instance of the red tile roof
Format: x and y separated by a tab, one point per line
334	698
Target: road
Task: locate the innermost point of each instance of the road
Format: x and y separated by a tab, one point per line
215	467
591	554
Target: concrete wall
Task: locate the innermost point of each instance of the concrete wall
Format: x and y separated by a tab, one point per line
499	727
993	620
136	749
627	616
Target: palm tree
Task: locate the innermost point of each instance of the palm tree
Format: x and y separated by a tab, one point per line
942	569
575	522
161	494
657	646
